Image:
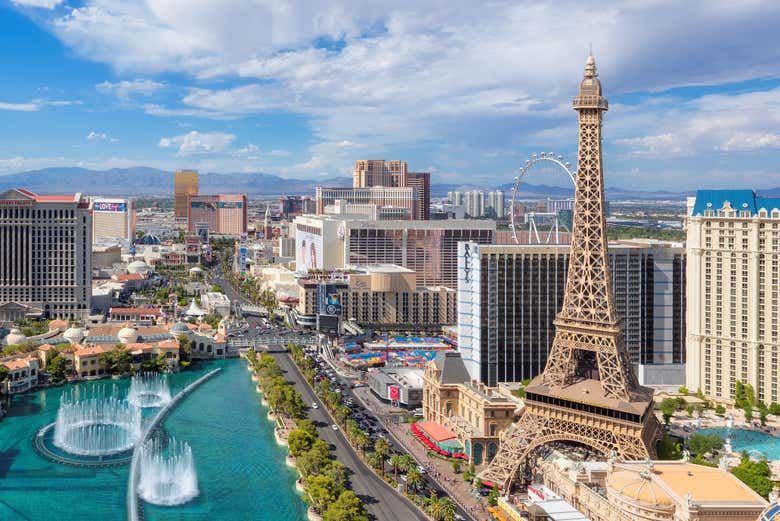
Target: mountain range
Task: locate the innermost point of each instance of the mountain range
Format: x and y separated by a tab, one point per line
146	181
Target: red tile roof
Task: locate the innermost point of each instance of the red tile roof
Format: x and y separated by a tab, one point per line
19	363
93	350
48	198
126	277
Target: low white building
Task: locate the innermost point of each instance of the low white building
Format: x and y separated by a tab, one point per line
215	302
22	374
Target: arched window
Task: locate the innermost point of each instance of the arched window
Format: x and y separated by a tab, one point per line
492	429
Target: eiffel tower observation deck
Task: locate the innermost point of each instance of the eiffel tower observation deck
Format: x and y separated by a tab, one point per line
588	392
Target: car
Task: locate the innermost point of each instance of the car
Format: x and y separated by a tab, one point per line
334	427
421	469
314	405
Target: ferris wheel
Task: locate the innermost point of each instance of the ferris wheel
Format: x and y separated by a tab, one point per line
537	162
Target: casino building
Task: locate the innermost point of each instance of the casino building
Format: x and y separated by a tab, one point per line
45	255
113	219
222	214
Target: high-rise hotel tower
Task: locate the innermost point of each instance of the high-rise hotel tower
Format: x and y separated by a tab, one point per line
45	255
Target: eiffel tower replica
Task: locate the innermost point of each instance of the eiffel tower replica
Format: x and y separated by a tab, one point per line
588	392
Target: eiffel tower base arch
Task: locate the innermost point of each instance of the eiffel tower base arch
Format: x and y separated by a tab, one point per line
540	425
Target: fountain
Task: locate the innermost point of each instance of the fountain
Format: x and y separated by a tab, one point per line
727	446
97	425
167	474
149	390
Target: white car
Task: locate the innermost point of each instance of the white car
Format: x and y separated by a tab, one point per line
421	469
314	405
334	427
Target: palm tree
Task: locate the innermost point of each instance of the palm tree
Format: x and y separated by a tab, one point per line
432	505
414	478
381	447
407	462
396	462
374	459
447	509
362	439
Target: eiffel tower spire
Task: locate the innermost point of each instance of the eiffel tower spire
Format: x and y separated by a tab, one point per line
589	336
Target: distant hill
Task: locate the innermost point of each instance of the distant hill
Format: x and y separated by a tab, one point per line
141	180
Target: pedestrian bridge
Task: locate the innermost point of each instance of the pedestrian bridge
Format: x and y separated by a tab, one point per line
134	509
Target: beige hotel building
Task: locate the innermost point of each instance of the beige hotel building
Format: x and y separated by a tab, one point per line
733	250
45	255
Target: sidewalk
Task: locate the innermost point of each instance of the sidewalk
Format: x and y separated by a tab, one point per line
441	471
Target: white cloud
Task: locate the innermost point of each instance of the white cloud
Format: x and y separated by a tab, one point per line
44	4
97	136
402	73
19	107
748	141
249	150
279	153
37	104
722	122
127	89
198	143
158	110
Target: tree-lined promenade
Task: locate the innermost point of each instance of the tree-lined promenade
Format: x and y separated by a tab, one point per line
325	480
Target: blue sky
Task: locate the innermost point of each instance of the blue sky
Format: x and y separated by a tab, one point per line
466	90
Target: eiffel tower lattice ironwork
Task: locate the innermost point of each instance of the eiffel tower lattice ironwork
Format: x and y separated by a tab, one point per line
588	392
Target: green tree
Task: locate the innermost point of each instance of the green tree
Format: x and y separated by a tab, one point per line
700	444
382	447
361	440
299	441
407	462
337	471
720	410
667	449
699	394
668	408
306	425
456	467
310	463
748	412
3	374
683	390
689	409
396	463
754	474
374	460
116	361
750	395
185	348
320	492
213	319
56	368
414	478
347	507
492	498
774	408
739	394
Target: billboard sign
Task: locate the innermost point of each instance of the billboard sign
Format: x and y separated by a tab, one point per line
328	299
308	251
242	260
393	393
108	206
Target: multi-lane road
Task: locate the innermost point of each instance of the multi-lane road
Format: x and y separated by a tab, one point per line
382	502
